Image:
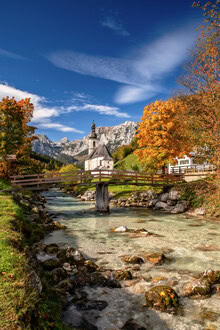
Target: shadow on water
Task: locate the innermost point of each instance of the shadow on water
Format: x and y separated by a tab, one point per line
122	305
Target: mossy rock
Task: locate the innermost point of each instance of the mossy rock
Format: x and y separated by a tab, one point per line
156	258
133	259
51	248
199	288
120	275
50	264
162	298
58	274
212	276
66	284
90	266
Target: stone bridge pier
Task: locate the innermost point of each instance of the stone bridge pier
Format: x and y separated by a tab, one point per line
102	198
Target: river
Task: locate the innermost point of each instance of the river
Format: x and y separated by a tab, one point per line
191	245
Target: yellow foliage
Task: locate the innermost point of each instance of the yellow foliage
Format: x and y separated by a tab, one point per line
162	134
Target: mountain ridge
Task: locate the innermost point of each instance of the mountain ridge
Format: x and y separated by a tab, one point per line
76	150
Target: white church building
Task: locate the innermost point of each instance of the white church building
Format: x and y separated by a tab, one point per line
99	157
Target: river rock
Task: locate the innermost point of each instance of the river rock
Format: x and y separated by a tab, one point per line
90	265
58	225
153	202
197	288
132	325
71	256
199	211
66	284
120	229
162	298
164	197
174	195
58	274
51	248
121	275
171	203
180	207
133	259
156	258
212	276
161	206
38	247
34	282
50	264
91	304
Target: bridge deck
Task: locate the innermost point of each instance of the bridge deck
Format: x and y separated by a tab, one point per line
112	177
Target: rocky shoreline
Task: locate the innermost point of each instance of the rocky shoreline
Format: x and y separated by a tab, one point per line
168	201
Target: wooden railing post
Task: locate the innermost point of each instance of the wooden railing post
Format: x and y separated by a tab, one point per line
38	179
152	178
100	176
136	178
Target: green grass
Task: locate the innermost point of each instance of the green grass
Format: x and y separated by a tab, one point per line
16	299
20	305
128	163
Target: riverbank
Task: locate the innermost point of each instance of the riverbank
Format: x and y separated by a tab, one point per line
197	198
25	304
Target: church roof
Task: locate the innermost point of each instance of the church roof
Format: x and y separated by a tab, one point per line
101	151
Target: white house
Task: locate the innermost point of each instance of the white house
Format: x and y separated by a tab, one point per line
187	163
99	157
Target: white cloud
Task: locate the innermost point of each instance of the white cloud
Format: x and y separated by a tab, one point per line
117	27
58	127
43	113
102	109
141	73
4	52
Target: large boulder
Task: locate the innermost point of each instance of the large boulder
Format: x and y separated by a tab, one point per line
162	298
164	197
202	287
174	195
197	288
163	207
153	202
180	207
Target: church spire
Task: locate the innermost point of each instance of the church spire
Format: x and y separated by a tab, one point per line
93	134
92	139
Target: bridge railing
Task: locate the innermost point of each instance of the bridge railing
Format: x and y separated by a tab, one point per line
93	177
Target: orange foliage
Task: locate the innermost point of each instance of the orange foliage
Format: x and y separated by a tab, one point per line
15	134
162	134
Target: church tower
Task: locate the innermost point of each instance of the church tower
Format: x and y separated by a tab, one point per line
92	139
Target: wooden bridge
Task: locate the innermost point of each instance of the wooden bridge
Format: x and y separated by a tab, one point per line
100	178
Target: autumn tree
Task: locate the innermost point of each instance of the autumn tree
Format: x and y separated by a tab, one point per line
201	83
15	134
162	135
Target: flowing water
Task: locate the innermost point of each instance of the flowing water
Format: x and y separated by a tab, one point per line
191	245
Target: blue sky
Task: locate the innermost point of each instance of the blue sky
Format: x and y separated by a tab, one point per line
92	59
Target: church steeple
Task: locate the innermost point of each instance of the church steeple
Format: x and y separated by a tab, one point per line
92	139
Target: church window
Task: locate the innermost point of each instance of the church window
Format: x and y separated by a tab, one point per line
93	144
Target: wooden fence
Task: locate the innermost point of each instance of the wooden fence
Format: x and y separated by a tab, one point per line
92	177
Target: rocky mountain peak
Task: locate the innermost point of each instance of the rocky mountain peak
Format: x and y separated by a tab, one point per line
66	150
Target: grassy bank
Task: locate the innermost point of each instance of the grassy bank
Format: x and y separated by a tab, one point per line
203	193
21	306
16	298
118	190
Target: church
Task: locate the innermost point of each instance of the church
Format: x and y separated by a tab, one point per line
99	157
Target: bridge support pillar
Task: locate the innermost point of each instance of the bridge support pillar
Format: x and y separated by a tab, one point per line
102	198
